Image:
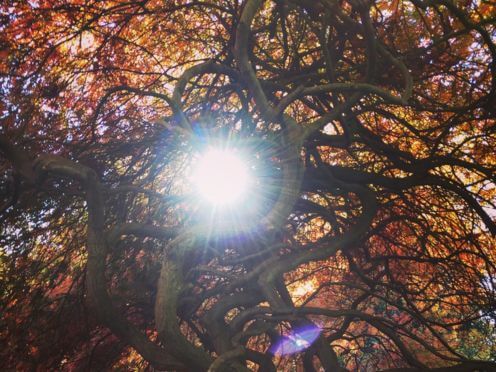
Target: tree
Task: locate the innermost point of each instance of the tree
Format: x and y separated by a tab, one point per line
369	241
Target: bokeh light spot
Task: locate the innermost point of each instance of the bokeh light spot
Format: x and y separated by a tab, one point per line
298	340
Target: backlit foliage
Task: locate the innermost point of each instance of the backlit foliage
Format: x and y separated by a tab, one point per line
370	125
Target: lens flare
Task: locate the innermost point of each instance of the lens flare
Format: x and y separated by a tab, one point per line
299	340
221	177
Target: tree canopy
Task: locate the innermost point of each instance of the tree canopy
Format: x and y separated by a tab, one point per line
367	241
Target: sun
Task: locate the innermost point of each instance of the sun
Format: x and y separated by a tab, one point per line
221	177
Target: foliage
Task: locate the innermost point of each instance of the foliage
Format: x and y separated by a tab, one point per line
370	126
